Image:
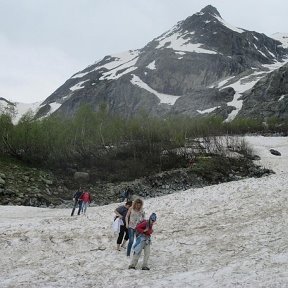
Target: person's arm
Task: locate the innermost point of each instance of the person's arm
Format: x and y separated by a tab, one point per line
143	215
118	214
127	217
90	198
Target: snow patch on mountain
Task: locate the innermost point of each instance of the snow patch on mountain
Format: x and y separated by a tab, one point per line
240	87
208	110
246	83
229	26
151	66
223	82
120	70
179	42
115	62
54	106
78	86
23	108
282	97
120	59
275	65
164	98
17	109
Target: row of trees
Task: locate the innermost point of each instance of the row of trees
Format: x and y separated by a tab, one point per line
97	139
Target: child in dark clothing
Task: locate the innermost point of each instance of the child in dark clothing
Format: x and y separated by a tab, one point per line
121	212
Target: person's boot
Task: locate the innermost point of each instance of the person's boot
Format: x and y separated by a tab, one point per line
145	268
131	267
124	244
118	247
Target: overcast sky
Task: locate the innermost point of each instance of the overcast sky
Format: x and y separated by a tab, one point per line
44	42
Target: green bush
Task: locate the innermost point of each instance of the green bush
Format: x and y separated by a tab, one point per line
114	146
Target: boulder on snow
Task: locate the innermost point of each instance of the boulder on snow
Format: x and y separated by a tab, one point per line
81	176
275	152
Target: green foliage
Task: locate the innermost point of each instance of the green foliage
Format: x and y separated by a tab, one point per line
114	146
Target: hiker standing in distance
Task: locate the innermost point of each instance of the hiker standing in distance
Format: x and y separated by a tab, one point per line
86	198
134	216
121	212
126	195
77	201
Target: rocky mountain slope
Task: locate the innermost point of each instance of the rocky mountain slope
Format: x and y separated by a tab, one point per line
202	65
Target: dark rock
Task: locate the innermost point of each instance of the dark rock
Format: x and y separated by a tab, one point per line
255	157
81	176
275	152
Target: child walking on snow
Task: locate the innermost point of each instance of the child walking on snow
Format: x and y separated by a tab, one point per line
143	242
121	212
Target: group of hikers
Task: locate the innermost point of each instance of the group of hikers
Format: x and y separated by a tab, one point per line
135	230
82	198
131	225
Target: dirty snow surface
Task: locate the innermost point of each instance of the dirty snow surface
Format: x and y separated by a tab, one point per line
228	235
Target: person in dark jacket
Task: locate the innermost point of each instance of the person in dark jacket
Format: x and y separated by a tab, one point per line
121	212
143	242
77	201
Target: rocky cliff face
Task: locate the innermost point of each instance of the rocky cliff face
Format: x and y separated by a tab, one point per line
187	70
269	96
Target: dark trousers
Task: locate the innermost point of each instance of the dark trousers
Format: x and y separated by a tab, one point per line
123	230
75	205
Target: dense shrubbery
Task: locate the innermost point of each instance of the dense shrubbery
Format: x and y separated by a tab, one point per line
133	147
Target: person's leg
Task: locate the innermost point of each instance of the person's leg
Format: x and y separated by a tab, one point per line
120	237
74	207
131	240
85	205
146	255
135	260
80	207
126	238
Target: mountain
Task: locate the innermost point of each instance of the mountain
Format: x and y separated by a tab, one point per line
17	109
201	66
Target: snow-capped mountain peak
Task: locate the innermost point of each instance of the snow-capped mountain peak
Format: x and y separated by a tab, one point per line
209	9
201	64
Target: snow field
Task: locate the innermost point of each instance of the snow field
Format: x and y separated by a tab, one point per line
227	235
